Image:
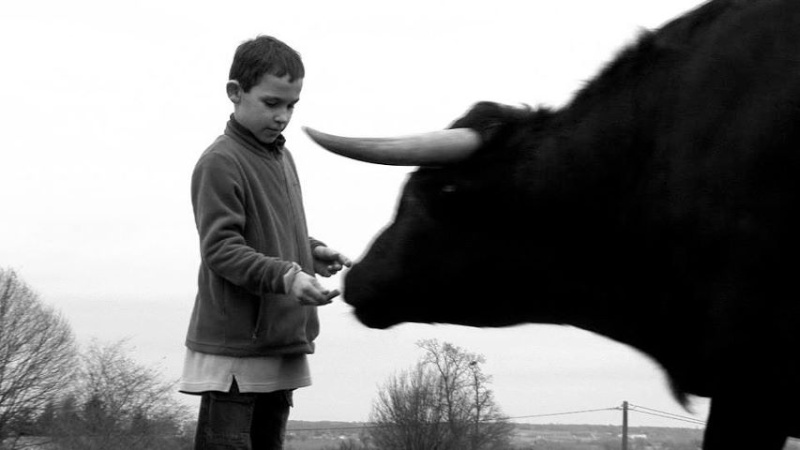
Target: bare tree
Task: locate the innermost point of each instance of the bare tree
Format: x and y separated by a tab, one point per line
474	419
37	353
489	427
444	403
123	405
452	366
408	414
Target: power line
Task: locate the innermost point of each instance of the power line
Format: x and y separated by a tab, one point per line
555	414
366	426
694	421
633	408
666	415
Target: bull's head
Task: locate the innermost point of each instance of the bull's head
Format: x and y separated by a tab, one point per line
454	246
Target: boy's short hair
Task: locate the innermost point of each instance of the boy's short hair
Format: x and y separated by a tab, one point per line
262	55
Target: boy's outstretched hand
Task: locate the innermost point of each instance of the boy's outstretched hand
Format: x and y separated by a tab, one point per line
328	261
309	292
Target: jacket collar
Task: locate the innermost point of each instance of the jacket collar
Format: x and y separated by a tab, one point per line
239	132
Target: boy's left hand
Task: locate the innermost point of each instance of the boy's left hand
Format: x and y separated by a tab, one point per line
328	261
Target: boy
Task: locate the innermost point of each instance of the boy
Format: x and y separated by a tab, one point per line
255	317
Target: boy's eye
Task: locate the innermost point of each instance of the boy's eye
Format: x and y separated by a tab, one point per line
272	103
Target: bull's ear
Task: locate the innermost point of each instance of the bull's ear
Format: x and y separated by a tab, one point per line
487	118
425	149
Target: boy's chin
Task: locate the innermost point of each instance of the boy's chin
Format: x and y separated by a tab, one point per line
267	138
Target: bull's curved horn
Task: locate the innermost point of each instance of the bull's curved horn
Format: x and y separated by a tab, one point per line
425	149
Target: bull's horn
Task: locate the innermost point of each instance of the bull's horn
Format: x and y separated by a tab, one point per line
425	149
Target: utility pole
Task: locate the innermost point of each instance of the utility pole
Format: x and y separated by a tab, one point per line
625	425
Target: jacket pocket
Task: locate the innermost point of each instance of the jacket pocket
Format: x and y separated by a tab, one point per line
282	321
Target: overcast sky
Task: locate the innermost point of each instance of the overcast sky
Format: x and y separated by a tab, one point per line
106	106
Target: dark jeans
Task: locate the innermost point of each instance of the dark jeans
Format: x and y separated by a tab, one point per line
242	421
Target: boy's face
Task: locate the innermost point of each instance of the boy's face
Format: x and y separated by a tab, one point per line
266	109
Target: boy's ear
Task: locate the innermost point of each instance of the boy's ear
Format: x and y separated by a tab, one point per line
234	91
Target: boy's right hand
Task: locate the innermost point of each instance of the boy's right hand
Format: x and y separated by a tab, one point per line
309	292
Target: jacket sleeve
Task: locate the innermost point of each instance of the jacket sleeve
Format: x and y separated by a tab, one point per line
315	243
219	211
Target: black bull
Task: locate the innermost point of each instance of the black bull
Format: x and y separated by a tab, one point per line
660	208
